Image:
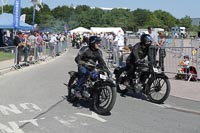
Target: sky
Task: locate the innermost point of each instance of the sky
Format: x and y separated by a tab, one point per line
177	8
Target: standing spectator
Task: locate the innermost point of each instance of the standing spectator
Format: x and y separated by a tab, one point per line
119	39
39	46
63	42
25	49
110	41
161	45
58	44
5	39
44	37
31	41
118	45
20	45
53	41
154	47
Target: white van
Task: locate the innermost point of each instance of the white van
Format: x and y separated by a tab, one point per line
178	32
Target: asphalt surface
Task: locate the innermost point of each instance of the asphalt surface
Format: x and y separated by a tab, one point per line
33	101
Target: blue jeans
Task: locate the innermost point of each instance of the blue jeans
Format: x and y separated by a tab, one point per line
83	75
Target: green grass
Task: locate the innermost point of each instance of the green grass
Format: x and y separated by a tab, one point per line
6	56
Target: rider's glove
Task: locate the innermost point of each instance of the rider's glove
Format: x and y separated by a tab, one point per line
140	61
81	62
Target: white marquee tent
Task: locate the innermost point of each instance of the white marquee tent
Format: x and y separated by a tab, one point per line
80	30
107	29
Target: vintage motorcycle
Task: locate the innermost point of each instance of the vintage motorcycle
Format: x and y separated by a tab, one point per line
148	80
100	88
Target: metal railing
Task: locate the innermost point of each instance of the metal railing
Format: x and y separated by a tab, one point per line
17	57
175	51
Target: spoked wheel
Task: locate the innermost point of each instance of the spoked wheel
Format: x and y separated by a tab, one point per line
120	78
71	86
104	99
159	89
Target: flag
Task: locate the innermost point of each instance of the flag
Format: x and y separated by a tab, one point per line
37	8
16	13
41	3
23	18
65	28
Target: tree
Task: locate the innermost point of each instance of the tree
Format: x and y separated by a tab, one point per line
186	22
141	17
166	19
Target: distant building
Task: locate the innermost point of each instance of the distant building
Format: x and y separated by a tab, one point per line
195	21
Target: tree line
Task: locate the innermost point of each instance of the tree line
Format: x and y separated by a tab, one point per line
85	16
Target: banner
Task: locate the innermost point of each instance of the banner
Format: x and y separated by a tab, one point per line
16	13
65	28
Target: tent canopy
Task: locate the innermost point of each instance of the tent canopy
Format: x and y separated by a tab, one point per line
107	29
80	30
7	22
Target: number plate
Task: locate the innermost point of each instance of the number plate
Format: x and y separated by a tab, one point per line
102	77
156	70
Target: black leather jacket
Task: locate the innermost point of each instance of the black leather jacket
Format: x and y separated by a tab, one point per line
86	53
138	52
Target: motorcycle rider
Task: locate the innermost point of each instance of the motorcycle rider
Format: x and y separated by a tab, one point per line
139	51
90	52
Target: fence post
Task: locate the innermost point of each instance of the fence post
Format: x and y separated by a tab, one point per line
198	61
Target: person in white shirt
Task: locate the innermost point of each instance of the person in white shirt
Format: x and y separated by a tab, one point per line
154	47
53	41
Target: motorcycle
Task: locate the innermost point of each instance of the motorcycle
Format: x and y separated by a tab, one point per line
148	80
77	42
99	86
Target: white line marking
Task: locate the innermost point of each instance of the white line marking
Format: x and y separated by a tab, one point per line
33	121
94	116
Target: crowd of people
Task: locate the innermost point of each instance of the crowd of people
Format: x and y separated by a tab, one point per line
32	45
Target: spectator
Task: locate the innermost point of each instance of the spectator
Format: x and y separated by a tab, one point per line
124	54
161	46
39	46
186	64
154	47
53	41
26	48
31	41
20	45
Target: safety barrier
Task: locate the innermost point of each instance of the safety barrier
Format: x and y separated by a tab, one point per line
175	51
17	57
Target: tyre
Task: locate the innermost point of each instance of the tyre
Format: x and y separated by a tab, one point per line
120	78
158	89
104	99
71	86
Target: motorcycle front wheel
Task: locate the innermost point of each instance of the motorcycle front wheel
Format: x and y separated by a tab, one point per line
104	99
158	89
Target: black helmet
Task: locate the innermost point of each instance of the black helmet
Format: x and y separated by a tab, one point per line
146	39
93	40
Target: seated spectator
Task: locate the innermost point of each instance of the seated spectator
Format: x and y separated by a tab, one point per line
124	54
186	64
